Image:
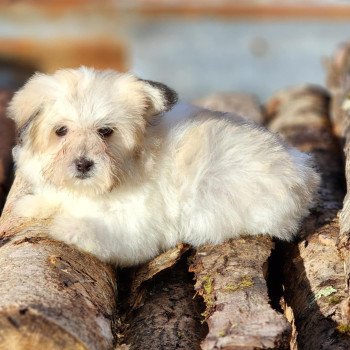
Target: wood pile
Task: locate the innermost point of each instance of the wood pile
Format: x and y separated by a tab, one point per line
248	293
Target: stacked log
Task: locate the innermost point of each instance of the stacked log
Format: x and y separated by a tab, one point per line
227	296
338	82
52	296
312	269
232	277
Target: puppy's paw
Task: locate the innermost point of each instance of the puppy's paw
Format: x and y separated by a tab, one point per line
32	206
80	232
68	229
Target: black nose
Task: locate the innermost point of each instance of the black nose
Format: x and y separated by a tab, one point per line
84	165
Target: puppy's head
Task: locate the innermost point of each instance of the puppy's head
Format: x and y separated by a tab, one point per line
84	129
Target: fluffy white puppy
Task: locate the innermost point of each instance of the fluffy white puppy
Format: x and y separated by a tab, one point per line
124	180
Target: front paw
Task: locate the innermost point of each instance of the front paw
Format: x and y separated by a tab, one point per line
68	229
32	206
81	233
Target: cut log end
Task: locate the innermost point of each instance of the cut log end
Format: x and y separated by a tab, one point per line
25	328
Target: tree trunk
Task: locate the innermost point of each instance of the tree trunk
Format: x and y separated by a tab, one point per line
52	296
312	271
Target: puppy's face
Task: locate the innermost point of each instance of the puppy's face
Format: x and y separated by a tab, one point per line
84	129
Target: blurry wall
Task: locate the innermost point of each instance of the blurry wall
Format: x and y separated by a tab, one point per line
197	47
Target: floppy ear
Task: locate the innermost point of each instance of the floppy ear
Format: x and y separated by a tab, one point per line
160	97
26	103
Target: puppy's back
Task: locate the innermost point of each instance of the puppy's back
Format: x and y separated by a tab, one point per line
234	177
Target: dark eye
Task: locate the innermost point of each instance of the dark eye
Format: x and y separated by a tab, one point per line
61	131
105	132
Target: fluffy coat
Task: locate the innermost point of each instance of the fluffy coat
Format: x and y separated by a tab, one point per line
124	178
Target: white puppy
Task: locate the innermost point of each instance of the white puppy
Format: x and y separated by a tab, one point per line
124	180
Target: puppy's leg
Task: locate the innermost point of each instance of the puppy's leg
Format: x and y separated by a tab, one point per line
84	233
35	206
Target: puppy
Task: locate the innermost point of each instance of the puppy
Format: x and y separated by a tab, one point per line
124	179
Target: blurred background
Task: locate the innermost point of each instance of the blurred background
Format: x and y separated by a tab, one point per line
197	47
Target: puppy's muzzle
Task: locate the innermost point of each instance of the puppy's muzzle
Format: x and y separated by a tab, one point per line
83	166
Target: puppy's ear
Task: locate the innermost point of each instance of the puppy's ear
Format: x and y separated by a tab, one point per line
160	97
26	103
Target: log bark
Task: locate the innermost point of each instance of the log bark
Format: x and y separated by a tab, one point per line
231	277
338	82
7	140
165	314
52	296
312	270
160	311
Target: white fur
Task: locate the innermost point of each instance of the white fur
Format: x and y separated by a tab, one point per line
193	175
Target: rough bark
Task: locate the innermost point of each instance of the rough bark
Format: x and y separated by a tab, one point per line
166	315
231	277
160	311
147	271
313	271
52	296
338	82
7	140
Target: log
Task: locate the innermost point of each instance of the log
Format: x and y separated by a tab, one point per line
232	277
312	269
160	311
338	82
52	296
164	313
7	140
246	105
